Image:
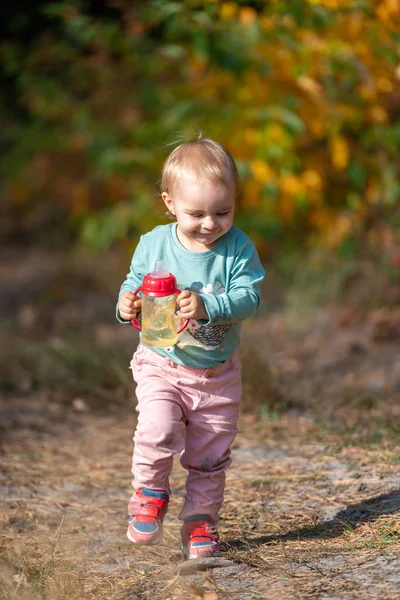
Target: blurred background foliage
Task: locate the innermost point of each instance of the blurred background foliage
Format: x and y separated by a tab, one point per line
304	93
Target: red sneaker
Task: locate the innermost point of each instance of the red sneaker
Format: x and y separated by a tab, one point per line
199	538
145	526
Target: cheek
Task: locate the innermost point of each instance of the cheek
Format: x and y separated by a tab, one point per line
186	224
228	222
189	224
192	224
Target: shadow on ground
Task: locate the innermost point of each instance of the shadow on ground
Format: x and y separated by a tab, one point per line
350	517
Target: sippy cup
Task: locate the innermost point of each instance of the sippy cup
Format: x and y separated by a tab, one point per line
159	293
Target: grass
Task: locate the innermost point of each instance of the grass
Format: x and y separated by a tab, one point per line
32	569
66	540
66	369
312	503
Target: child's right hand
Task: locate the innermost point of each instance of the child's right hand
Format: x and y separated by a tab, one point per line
129	305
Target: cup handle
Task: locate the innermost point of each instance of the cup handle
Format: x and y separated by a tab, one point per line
186	323
135	322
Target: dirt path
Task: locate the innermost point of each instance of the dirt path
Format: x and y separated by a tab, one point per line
306	516
313	496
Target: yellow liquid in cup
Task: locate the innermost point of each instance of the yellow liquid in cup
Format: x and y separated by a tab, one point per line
158	323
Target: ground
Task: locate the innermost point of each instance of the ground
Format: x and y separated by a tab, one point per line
312	497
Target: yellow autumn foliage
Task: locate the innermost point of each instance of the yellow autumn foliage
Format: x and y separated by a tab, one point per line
378	114
291	185
251	136
247	15
339	152
312	181
261	171
338	230
305	100
286	208
228	10
252	194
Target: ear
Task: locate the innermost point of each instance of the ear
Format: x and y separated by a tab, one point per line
168	202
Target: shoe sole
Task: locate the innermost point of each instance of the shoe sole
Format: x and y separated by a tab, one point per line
188	556
157	540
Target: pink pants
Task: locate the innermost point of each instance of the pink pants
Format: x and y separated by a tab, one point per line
187	410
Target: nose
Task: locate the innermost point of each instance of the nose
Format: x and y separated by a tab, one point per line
209	223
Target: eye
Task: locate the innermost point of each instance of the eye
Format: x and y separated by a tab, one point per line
196	215
222	214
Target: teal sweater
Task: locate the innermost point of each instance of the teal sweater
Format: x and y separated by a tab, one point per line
228	278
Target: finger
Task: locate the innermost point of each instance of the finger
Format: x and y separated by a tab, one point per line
188	316
129	296
185	302
137	304
127	316
187	312
129	302
126	308
184	294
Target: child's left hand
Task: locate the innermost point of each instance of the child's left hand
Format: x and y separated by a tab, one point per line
191	306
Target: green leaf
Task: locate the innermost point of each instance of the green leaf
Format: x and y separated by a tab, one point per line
278	113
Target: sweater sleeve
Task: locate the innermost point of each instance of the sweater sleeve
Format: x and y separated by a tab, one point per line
135	276
242	298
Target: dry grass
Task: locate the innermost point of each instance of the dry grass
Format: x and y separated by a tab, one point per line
305	516
34	567
313	495
66	367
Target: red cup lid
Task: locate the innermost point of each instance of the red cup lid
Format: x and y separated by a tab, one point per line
158	286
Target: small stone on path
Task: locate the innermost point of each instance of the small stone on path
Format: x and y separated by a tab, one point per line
202	564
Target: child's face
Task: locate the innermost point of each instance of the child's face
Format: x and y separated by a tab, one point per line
204	211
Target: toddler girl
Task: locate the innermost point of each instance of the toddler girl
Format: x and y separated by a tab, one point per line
189	394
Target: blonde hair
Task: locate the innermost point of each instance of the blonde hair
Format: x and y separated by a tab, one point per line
203	157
